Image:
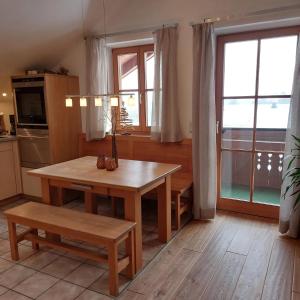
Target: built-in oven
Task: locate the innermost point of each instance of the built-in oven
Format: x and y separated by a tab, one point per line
34	147
30	102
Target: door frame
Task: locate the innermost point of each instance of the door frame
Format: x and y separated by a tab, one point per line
252	208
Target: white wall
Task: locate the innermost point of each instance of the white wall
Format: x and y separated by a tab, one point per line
125	15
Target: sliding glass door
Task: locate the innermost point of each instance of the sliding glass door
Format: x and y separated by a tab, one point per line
254	84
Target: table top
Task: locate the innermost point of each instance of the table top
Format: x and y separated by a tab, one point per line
131	174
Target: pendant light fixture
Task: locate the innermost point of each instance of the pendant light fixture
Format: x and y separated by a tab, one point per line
113	99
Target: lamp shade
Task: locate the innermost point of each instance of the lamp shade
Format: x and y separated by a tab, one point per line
98	101
131	101
83	102
114	101
69	102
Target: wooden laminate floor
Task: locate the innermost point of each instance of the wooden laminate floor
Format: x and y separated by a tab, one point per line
233	257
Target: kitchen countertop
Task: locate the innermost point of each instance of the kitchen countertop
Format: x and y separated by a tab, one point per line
7	138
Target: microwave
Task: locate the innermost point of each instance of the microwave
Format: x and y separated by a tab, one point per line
30	104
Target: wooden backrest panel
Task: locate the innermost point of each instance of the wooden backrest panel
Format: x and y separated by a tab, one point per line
84	224
142	148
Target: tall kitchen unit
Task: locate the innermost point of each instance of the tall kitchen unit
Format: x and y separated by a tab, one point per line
47	130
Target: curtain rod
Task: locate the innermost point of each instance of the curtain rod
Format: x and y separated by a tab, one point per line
248	15
139	30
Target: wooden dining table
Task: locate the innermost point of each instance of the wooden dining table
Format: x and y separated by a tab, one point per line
129	181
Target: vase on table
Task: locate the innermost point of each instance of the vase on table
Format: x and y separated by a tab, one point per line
114	150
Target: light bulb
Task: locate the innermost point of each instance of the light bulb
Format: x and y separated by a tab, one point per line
69	102
98	101
131	101
83	102
4	94
114	101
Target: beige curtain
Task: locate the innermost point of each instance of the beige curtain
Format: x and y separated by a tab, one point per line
165	125
289	220
204	122
98	81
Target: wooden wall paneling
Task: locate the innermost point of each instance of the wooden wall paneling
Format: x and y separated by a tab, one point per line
142	148
64	123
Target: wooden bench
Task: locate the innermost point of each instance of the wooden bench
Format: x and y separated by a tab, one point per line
93	229
180	184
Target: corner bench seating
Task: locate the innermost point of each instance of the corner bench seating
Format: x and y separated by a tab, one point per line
143	148
94	229
182	196
181	183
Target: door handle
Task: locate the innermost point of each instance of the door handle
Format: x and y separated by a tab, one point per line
217	126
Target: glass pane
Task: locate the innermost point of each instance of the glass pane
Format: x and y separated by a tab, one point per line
277	63
236	171
128	71
149	69
240	68
268	178
149	99
237	127
132	108
272	120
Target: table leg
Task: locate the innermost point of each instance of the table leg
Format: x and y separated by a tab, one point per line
164	210
133	212
46	198
90	203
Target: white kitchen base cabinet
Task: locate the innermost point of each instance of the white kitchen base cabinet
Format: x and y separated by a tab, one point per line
10	177
31	184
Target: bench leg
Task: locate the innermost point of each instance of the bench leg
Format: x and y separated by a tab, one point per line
13	240
177	212
35	245
113	270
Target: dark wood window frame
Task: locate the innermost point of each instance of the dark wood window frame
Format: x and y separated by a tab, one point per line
142	90
250	207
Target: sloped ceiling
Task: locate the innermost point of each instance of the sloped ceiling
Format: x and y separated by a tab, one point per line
36	32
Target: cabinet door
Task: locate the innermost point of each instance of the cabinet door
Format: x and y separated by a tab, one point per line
8	186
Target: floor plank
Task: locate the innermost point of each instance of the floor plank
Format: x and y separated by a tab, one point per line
278	283
204	269
244	238
223	283
296	279
165	277
251	282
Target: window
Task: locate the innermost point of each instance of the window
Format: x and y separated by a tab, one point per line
134	73
258	76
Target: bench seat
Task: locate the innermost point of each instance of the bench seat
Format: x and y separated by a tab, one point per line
93	229
181	183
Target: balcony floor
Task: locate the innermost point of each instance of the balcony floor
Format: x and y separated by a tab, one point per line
261	194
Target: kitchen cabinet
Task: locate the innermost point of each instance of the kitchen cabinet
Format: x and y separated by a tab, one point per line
10	177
